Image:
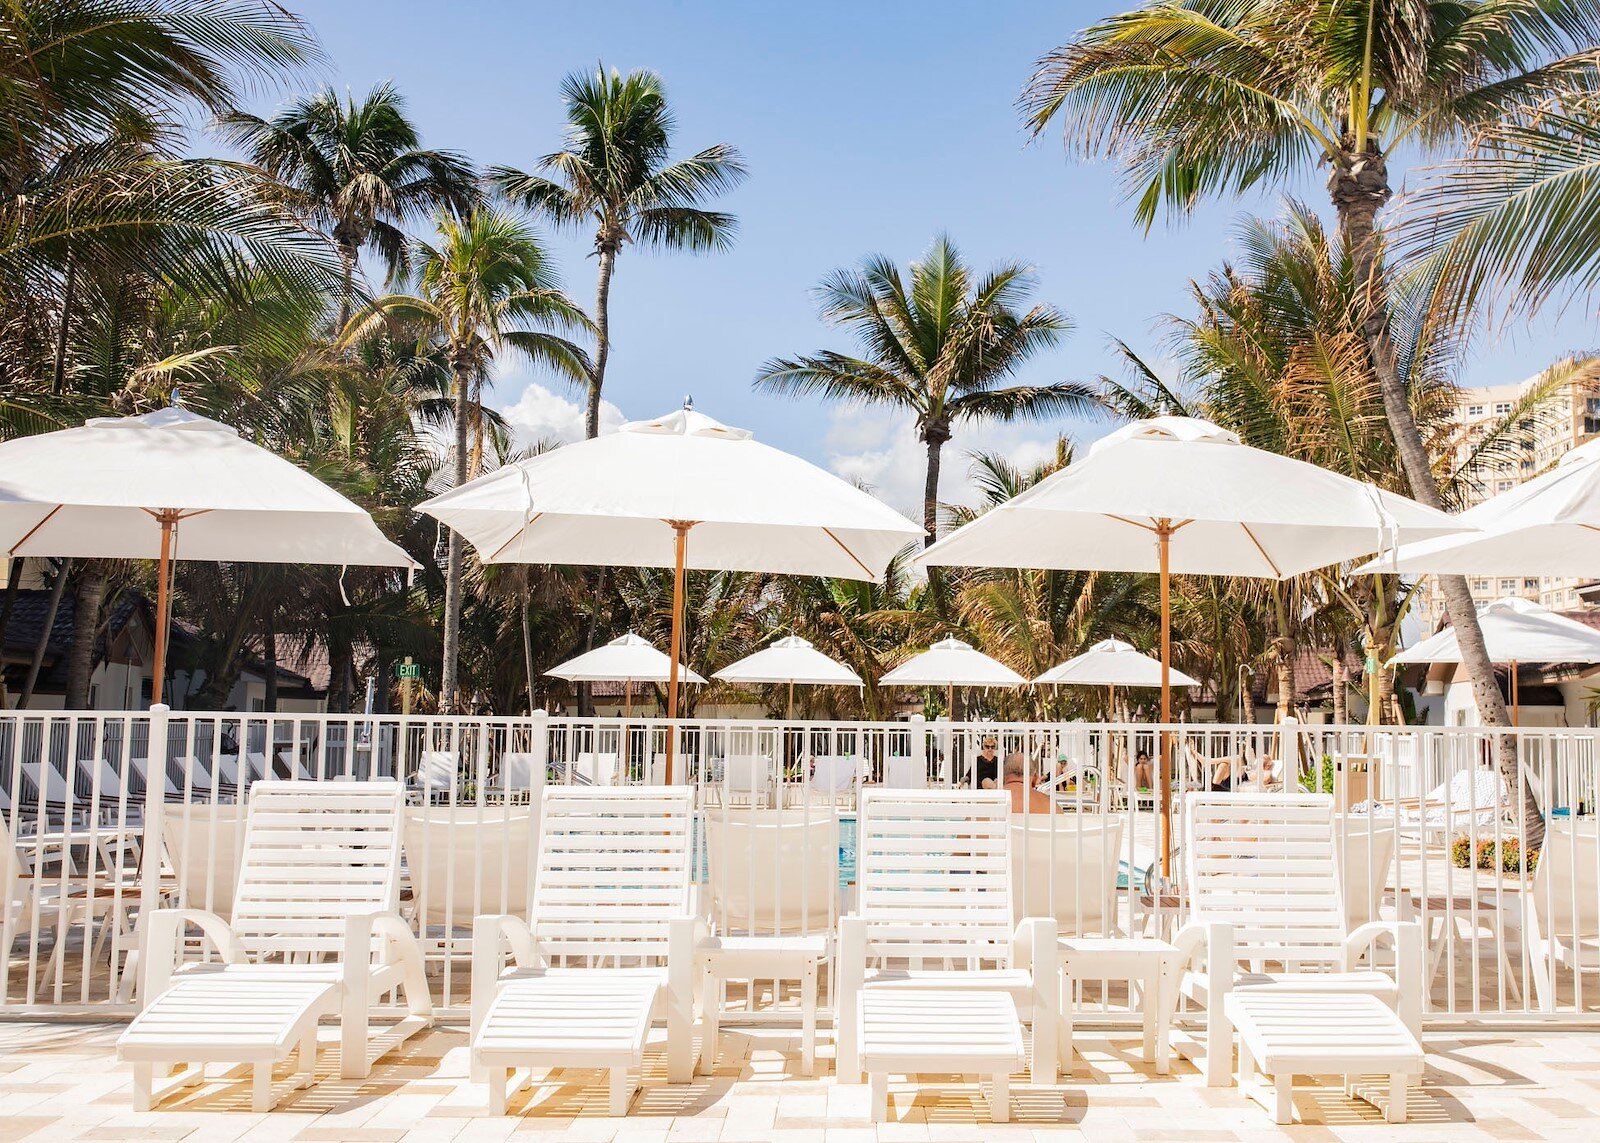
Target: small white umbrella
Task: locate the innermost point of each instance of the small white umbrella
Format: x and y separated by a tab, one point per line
1111	663
626	659
790	660
1175	494
950	663
633	497
1548	526
169	484
1514	631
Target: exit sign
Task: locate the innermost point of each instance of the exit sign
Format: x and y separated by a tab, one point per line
408	671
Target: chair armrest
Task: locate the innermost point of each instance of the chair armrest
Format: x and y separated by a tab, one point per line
683	935
1033	944
488	931
1408	973
163	942
1190	940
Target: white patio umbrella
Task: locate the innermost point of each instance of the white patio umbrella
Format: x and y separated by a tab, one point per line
626	659
790	660
950	663
1514	631
632	498
173	484
1548	526
1111	663
1175	494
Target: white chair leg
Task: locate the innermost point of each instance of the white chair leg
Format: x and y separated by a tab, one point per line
261	1087
710	1022
1064	1024
1164	984
1283	1098
1399	1089
497	1090
353	1018
143	1083
878	1084
308	1058
1000	1098
621	1091
1219	1045
808	1020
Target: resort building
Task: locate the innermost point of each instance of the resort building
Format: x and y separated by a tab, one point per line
1544	431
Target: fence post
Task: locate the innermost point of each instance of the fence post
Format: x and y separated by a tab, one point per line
919	746
155	803
539	747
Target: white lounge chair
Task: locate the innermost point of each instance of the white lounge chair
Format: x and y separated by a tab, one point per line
833	778
1561	910
613	887
934	911
595	768
747	779
437	778
1474	799
774	908
314	932
1268	912
516	777
141	767
902	773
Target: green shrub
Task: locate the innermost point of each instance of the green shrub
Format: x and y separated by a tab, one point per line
1506	860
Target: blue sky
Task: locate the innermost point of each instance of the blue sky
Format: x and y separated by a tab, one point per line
868	127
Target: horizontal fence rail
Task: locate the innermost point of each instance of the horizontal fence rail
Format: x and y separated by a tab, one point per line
1487	838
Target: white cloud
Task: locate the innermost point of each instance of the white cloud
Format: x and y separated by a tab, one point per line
880	449
541	414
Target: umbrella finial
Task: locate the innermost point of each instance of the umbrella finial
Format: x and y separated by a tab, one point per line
688	403
177	397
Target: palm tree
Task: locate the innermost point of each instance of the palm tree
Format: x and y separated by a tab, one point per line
485	288
937	346
1196	98
617	176
356	171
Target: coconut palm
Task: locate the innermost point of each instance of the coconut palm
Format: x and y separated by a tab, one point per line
485	289
1198	98
617	176
938	343
356	171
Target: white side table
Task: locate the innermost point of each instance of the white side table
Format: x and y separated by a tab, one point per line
909	1030
785	957
1151	963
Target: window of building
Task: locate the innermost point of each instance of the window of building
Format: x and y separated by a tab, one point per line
1508	585
1502	408
1480	585
1530	585
1477	410
1505	486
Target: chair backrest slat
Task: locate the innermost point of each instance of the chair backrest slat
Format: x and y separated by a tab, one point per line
1265	864
314	854
934	873
614	868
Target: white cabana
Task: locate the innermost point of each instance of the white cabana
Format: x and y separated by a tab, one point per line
1548	526
790	660
950	663
626	659
172	485
1175	494
1111	663
680	491
1515	631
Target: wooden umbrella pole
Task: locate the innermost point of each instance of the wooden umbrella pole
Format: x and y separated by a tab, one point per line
1516	697
791	700
681	548
1164	547
168	519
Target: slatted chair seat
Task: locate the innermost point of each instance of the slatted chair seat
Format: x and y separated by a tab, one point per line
1268	913
934	911
610	939
314	931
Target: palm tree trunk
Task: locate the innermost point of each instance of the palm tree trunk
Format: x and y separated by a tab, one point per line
269	659
347	261
87	600
527	639
452	576
1341	680
59	384
930	487
43	644
1283	663
602	335
1359	187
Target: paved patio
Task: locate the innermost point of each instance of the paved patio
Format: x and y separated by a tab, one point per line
60	1081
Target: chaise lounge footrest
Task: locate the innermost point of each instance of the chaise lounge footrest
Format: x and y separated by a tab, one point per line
1287	1034
228	1018
582	1018
904	1031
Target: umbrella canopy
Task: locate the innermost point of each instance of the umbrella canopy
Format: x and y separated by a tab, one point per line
626	659
169	484
790	660
632	498
952	663
1515	631
1548	526
1112	663
1175	494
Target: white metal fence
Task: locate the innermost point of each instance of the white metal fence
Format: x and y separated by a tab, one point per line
109	815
